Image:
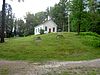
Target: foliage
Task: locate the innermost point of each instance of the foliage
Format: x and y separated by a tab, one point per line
9	20
0	23
33	20
30	23
77	13
41	31
40	17
90	34
59	15
21	27
72	47
25	29
3	23
93	39
81	15
4	6
89	16
84	15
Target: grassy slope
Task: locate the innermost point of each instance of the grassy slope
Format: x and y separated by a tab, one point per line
72	47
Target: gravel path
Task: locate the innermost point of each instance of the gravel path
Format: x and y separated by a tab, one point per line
49	68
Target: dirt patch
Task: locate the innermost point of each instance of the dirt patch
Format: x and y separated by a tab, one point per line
50	68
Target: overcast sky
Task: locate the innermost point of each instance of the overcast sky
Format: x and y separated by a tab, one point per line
32	6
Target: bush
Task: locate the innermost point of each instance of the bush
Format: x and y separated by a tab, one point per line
20	34
90	33
41	31
91	39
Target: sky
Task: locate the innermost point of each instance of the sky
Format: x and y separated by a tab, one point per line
32	6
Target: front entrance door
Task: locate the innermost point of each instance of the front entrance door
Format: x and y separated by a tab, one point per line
49	30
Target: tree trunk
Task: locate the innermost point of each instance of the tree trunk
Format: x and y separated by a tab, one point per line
80	16
68	23
3	22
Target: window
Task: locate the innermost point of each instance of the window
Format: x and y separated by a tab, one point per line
45	28
53	29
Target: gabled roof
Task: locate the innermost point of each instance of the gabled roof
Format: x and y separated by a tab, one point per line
46	22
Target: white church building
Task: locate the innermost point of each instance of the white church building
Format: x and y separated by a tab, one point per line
48	27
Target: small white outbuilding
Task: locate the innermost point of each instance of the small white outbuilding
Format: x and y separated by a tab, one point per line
48	27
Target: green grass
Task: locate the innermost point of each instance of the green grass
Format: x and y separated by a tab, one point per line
71	47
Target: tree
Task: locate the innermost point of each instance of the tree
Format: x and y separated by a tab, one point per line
34	20
9	19
21	27
94	12
77	13
68	10
41	17
0	22
55	14
30	23
3	21
59	15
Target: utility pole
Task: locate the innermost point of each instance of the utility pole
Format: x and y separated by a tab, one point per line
3	22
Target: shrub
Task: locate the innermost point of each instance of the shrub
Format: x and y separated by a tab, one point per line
90	38
41	31
90	33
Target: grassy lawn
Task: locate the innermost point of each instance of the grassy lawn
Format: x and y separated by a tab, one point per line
71	47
